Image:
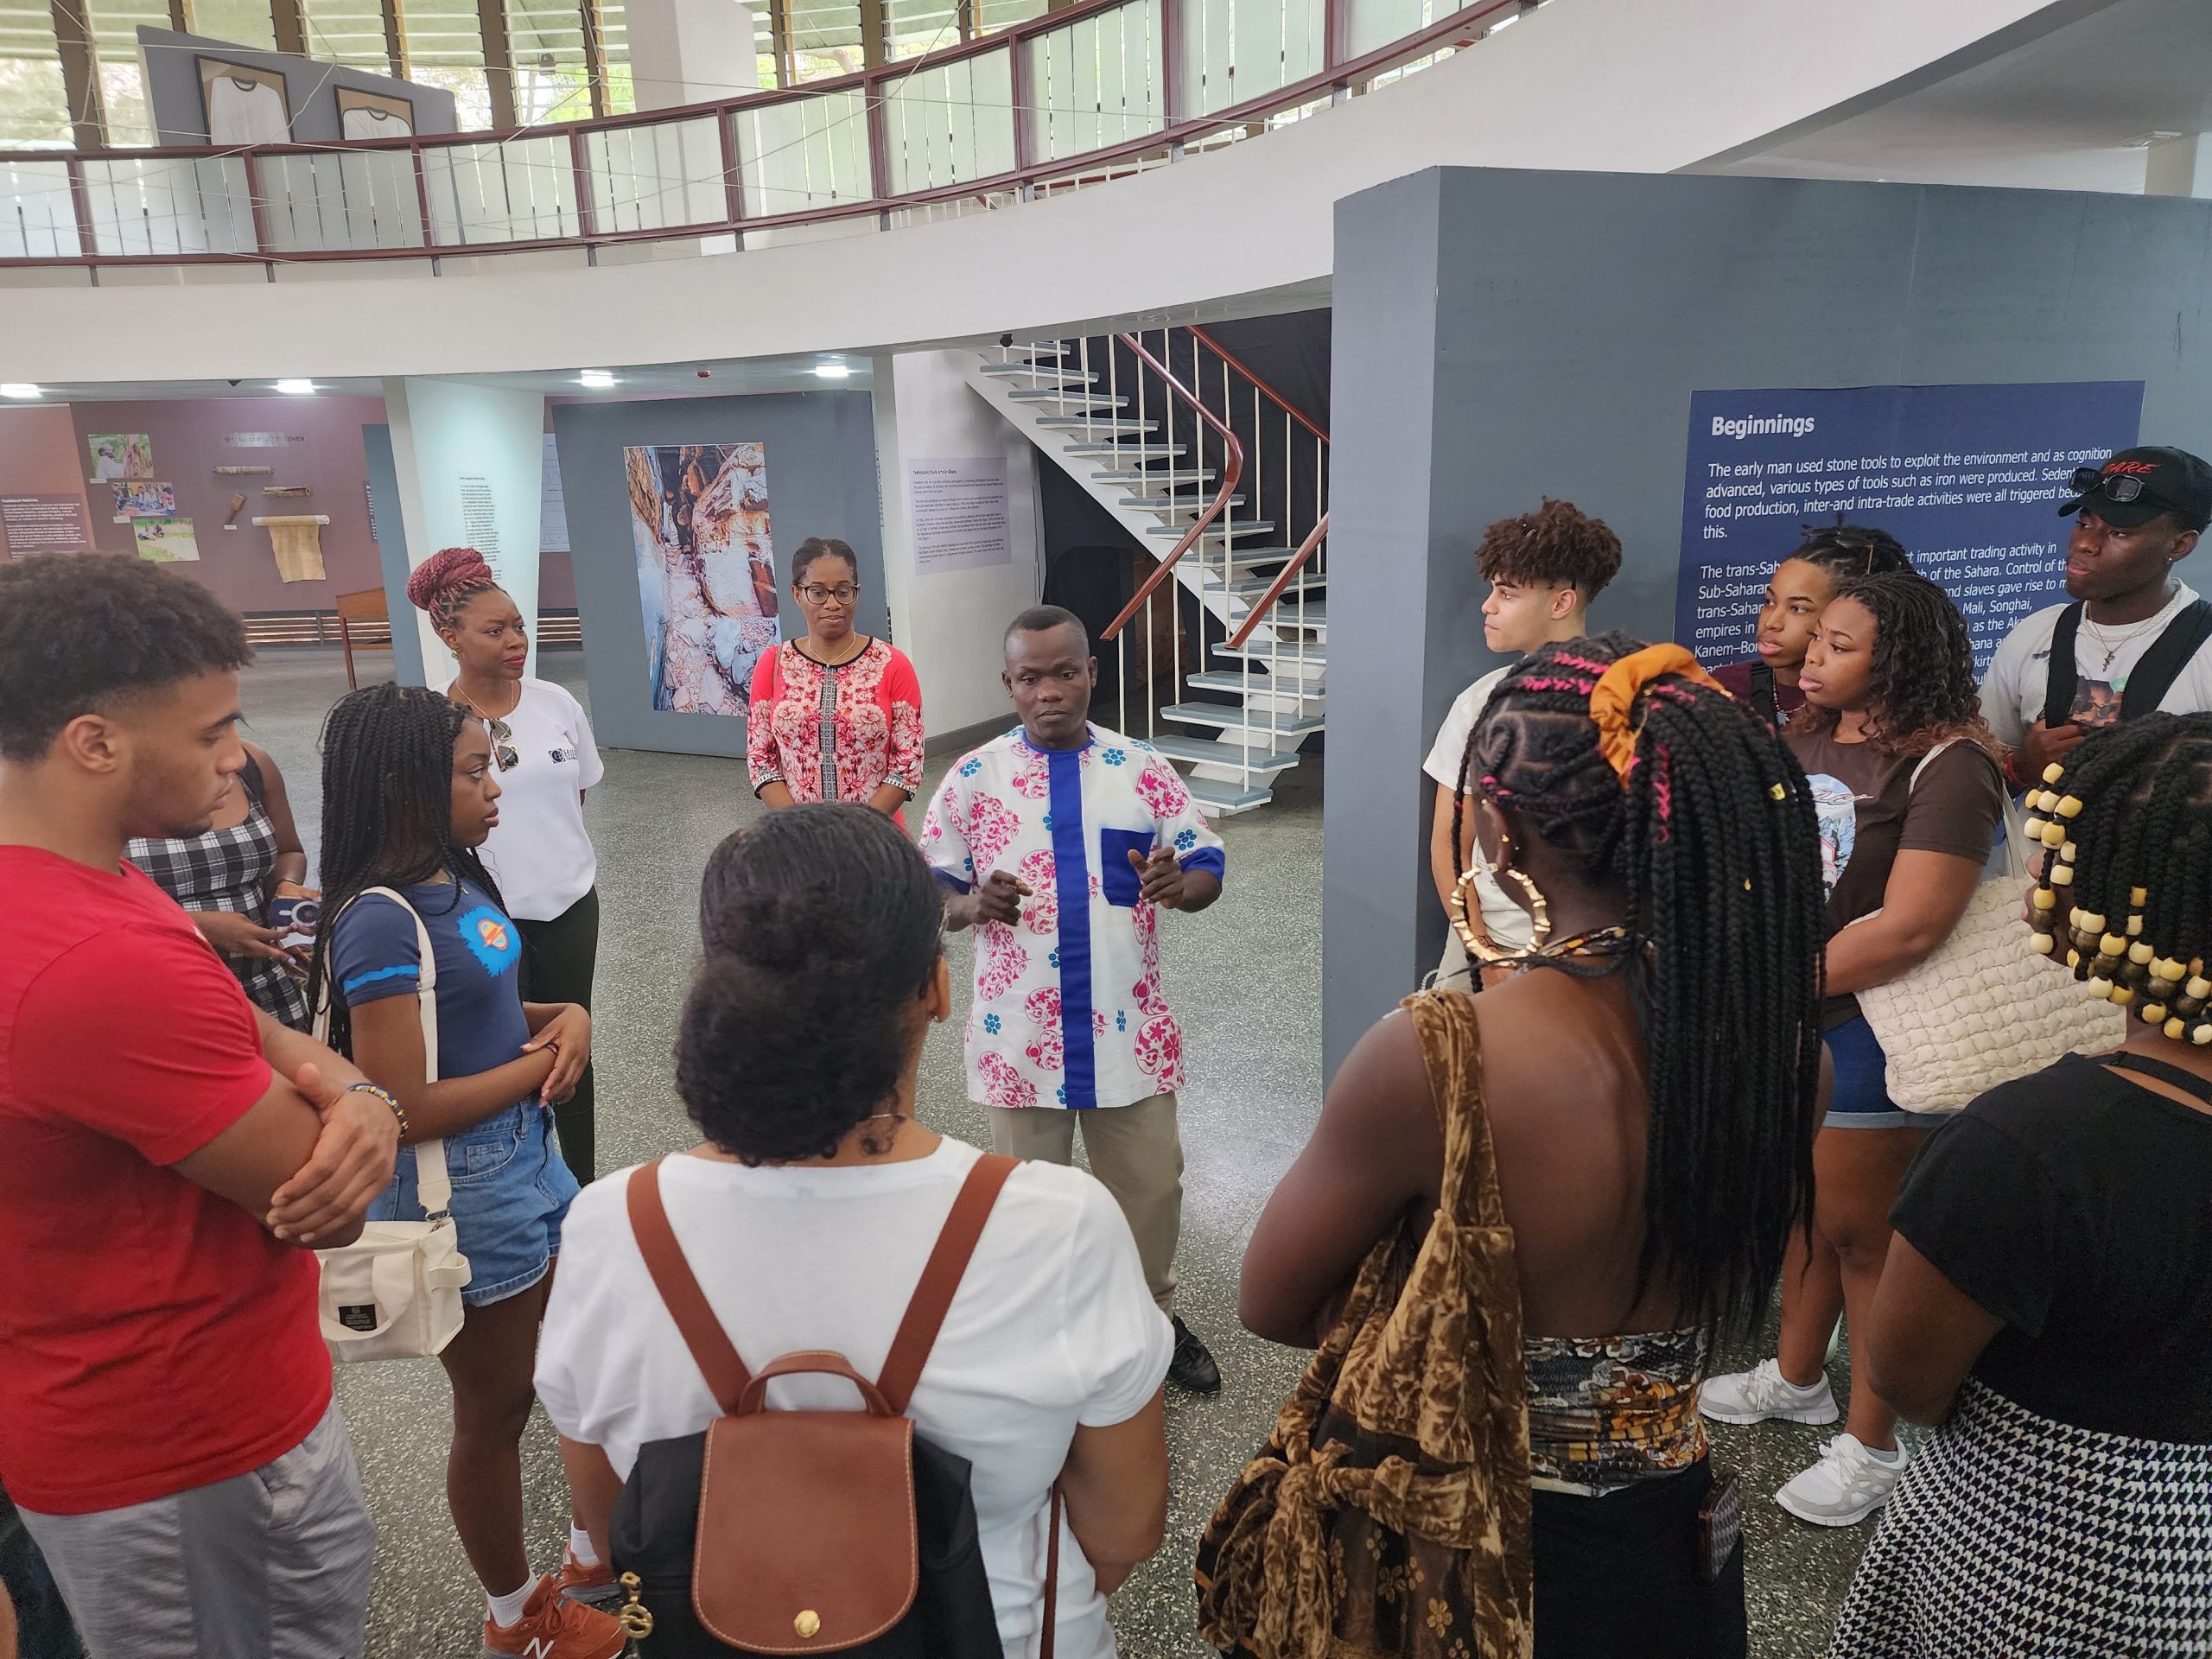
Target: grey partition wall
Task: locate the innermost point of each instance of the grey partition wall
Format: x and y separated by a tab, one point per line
1502	335
820	465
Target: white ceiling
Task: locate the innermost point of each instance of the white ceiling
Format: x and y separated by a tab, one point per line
2070	109
664	381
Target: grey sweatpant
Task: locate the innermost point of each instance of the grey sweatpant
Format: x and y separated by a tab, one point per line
273	1564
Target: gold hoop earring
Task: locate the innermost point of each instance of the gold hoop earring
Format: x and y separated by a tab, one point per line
1474	933
1540	912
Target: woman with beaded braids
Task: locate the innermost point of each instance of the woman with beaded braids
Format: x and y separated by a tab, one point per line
1524	1216
1904	781
2048	1301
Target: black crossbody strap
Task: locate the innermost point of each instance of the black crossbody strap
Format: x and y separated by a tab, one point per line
2058	690
2164	1071
1763	700
2161	666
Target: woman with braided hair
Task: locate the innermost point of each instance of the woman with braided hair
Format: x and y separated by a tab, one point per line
1904	775
1797	593
1525	1216
409	791
542	752
2047	1306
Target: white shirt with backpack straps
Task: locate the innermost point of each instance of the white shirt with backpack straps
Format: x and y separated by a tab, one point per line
2013	689
1052	1328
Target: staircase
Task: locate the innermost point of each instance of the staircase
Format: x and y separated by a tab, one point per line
1227	485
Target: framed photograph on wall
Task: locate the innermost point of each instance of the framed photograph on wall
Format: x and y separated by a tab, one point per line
373	115
706	570
245	105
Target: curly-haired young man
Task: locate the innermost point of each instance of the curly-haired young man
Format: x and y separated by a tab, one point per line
170	1156
1544	568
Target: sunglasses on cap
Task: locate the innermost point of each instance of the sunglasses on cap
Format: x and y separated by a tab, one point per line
2117	487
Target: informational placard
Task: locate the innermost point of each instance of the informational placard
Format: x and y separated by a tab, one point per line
552	505
45	524
1969	478
479	520
960	512
262	440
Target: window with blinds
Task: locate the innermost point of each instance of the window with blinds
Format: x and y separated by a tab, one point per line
34	107
346	31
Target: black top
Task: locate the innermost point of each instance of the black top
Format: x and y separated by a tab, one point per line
2078	1207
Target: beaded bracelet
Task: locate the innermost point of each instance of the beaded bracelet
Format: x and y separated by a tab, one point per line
385	1095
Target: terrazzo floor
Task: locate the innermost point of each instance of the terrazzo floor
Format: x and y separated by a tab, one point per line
1246	980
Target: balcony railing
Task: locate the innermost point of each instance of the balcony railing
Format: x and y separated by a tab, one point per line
1079	96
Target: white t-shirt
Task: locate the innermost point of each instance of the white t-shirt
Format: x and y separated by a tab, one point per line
1052	1326
245	112
540	855
1507	922
2012	690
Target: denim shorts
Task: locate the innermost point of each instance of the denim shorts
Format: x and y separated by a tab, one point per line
511	1192
1860	1098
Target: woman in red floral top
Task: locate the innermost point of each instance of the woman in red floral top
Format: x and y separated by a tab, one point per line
836	715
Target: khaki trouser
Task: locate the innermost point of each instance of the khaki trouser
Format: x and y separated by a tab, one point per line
1137	1155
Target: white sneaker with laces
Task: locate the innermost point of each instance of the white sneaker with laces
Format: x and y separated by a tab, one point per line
1847	1485
1762	1393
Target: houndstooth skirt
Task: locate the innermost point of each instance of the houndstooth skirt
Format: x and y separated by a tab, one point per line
2012	1537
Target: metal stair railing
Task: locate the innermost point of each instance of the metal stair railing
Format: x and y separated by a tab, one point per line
1285	469
1222	508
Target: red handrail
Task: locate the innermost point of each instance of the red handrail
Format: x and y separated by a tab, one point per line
875	83
1265	390
1298	563
1232	473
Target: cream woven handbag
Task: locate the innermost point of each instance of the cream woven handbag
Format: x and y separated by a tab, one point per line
395	1292
1983	1009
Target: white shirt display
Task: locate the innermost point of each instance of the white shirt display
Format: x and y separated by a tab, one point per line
540	855
2012	690
1507	923
373	123
245	112
1052	1327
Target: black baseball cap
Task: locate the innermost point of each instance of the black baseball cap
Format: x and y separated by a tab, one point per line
2168	480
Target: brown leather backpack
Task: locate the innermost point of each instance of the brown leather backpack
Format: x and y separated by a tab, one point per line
811	1531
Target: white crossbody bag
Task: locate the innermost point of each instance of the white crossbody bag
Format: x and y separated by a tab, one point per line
1982	1010
395	1292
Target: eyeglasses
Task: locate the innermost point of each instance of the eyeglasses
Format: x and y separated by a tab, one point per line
2118	486
814	594
503	745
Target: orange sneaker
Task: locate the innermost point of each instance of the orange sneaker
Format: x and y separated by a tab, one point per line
553	1627
589	1584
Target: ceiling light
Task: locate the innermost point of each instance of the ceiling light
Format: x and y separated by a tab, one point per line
597	379
834	370
296	388
19	389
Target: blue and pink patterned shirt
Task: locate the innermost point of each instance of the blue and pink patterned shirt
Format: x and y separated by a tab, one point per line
1068	1008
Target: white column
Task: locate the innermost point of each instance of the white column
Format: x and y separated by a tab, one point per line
691	51
952	622
2179	167
470	461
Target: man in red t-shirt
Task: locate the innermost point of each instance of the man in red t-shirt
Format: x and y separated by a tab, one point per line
170	1156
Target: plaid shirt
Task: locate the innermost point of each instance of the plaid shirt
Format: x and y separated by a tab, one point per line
229	869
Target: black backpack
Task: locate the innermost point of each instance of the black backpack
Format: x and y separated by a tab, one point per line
809	1531
2154	675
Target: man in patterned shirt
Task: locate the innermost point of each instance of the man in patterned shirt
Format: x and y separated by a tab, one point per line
1061	843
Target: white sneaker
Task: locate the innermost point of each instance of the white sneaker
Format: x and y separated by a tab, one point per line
1847	1485
1762	1393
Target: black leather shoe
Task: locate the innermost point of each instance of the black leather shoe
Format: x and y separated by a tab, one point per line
1193	1366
